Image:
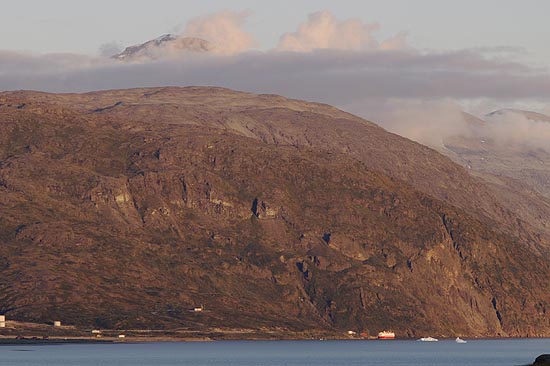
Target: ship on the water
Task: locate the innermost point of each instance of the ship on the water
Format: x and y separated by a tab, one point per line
386	334
428	339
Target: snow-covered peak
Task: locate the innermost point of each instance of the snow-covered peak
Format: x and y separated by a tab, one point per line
165	46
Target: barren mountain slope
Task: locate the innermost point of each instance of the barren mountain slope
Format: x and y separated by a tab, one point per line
128	208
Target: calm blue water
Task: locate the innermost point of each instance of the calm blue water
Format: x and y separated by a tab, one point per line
276	353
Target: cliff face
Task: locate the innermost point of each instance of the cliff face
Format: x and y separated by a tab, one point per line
130	208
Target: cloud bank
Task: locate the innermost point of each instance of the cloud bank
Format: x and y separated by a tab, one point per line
516	129
428	122
224	30
340	62
323	30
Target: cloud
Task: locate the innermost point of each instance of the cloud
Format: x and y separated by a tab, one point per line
432	122
428	122
15	65
511	128
323	31
224	30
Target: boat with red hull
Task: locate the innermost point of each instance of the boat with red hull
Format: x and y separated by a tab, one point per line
386	334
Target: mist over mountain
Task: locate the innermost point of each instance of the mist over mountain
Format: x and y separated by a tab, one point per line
508	143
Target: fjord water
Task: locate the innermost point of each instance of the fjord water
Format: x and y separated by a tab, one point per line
276	353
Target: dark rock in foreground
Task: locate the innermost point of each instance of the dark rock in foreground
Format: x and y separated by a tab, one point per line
542	360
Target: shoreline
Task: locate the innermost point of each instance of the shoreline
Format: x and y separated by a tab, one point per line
36	333
33	340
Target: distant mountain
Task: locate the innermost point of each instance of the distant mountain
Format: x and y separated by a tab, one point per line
162	47
534	116
478	151
128	208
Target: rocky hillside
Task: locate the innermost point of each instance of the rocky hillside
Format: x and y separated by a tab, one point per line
129	208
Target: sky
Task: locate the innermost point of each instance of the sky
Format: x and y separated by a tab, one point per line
79	26
411	66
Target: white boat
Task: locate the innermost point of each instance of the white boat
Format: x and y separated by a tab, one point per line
428	339
460	340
